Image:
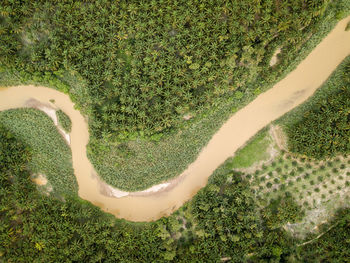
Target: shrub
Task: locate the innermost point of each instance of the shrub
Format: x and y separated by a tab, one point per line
64	121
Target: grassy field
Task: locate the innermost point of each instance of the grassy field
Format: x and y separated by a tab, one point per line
254	151
51	155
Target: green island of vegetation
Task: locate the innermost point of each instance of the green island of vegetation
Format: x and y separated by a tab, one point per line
156	79
64	121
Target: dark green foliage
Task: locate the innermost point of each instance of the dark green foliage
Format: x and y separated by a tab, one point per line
64	121
51	156
281	211
128	67
333	245
38	228
322	130
148	63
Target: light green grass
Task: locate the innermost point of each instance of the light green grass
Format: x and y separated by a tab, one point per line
51	155
253	152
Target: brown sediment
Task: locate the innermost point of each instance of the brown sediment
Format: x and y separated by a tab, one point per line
39	179
284	96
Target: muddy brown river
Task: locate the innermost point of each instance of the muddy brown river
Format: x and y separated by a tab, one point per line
299	85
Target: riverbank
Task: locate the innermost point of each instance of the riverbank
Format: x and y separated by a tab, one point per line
284	96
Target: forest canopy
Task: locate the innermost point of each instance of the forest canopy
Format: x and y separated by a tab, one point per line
322	129
147	63
222	221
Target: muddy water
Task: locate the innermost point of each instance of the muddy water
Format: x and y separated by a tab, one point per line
284	96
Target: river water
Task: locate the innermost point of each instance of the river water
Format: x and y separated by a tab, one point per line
299	85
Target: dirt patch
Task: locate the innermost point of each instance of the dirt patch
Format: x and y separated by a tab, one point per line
39	179
279	137
274	58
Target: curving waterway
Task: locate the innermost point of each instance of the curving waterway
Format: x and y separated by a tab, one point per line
299	85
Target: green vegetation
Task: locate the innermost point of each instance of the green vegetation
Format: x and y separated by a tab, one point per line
222	221
318	186
321	128
254	151
50	154
332	245
64	121
140	75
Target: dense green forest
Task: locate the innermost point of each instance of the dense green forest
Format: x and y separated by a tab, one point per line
136	68
149	62
222	221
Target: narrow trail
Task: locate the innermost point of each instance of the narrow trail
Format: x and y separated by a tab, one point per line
284	96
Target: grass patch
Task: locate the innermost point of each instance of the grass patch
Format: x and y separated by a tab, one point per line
50	154
254	151
64	121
